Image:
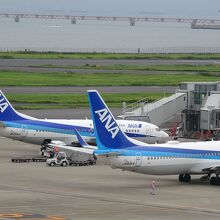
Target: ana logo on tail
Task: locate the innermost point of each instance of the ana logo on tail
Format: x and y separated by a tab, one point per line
3	104
110	125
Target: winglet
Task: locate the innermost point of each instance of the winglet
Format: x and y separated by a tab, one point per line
82	142
80	139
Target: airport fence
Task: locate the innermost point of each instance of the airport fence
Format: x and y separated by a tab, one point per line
163	50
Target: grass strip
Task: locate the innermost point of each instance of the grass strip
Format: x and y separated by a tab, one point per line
57	55
61	101
11	78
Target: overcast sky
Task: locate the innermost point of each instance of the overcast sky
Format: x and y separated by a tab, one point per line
117	7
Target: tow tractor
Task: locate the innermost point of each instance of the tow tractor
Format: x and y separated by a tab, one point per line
59	159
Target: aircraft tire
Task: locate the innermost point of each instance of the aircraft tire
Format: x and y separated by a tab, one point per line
52	164
64	164
213	180
181	177
187	178
218	181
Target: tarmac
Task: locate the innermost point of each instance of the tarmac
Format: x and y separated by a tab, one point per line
67	65
97	192
78	113
100	62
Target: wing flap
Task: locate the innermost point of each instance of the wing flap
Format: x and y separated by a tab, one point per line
75	149
108	154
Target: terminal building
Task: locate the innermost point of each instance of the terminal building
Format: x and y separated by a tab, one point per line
194	108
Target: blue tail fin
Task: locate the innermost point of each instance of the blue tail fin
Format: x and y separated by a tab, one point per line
7	112
108	133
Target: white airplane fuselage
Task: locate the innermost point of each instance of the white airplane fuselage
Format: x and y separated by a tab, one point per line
25	128
54	129
168	159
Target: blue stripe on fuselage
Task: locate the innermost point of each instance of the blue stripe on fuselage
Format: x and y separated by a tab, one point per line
57	128
51	127
136	135
170	150
155	151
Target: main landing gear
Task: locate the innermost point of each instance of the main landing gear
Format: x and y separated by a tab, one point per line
214	180
185	178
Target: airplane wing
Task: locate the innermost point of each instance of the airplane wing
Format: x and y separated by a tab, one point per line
212	169
83	143
109	154
84	149
75	149
206	168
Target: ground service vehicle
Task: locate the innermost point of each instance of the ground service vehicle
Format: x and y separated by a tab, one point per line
59	159
64	157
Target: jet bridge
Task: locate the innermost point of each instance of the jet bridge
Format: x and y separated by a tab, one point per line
157	112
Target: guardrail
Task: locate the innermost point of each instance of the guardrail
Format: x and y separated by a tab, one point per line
109	18
132	107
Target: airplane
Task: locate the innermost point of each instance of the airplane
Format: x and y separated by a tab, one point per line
171	158
18	126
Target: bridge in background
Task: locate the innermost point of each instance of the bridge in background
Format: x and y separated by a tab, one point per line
132	20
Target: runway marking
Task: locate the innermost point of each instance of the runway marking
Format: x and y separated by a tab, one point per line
23	216
122	201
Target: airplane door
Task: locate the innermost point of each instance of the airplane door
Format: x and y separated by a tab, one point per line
24	130
138	159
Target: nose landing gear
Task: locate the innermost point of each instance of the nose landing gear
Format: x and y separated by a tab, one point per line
185	178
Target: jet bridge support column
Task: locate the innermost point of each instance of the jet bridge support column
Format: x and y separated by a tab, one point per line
73	20
132	21
142	108
123	108
17	19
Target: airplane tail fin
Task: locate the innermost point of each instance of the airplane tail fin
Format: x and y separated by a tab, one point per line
108	133
7	112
